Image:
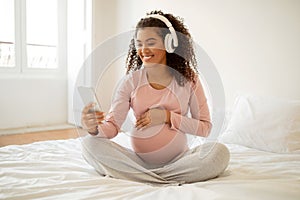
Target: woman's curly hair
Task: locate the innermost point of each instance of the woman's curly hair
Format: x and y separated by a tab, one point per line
182	60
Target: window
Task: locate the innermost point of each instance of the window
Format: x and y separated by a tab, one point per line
41	33
32	34
7	34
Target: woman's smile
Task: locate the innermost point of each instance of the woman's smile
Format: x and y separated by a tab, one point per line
146	58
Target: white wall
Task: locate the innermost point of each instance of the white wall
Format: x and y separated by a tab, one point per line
79	34
253	43
30	101
105	27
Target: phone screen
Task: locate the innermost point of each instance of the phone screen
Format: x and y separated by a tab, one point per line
88	95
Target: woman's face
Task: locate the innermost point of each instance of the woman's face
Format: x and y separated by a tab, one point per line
150	46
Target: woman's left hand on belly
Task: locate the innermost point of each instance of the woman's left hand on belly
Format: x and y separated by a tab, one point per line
151	117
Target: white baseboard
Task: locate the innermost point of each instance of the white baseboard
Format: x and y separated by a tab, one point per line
35	129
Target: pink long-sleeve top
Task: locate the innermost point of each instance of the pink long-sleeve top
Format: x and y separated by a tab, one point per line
158	144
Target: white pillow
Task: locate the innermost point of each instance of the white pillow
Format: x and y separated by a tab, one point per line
264	123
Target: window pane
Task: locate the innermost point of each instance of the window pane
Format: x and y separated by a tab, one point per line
42	28
7	33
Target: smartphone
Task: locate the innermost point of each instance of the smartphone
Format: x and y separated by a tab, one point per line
88	95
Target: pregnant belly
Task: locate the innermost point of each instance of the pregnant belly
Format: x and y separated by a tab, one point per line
158	144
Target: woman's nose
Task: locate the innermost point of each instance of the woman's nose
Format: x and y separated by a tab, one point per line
144	48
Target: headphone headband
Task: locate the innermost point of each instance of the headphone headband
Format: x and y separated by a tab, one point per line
169	25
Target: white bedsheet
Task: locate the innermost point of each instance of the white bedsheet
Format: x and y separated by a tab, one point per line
56	170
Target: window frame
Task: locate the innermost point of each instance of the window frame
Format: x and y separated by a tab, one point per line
20	42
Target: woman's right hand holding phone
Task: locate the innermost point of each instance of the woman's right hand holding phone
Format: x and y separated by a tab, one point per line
90	118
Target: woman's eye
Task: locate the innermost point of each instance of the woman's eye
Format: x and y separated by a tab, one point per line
140	45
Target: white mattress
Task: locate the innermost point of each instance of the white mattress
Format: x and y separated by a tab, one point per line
56	170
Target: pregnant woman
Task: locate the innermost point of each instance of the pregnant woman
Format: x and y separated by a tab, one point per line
163	89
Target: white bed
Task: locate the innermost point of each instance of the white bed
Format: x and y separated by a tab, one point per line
56	170
263	137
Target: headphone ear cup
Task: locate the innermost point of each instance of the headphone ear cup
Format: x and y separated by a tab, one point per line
169	43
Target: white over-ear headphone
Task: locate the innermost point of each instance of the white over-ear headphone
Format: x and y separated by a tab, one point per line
171	40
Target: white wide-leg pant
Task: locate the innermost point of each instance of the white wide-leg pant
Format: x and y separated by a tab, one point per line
201	163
